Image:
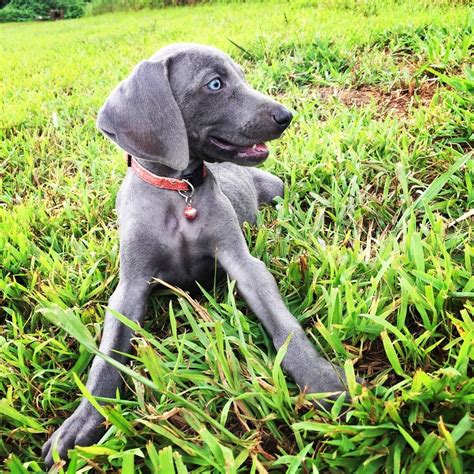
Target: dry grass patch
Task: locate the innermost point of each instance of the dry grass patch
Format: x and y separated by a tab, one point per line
397	101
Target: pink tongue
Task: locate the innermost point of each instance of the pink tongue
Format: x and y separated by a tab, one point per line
260	147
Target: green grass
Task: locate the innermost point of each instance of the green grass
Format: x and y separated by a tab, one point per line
372	245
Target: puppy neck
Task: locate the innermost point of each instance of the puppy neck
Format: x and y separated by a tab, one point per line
167	172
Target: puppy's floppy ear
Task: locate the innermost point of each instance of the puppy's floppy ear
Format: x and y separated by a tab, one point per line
142	117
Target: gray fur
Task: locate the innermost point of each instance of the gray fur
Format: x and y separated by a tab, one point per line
164	114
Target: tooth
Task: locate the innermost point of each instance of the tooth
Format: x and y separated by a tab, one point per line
254	146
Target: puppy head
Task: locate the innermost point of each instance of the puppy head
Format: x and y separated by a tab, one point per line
189	98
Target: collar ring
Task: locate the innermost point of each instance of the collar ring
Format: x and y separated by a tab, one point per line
187	194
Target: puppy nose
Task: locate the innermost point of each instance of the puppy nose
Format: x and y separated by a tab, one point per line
282	116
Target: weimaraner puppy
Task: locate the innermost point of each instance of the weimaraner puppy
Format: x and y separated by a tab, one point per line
186	105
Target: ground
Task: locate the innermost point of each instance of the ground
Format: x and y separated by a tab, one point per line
371	245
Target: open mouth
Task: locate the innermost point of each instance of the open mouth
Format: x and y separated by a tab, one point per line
257	150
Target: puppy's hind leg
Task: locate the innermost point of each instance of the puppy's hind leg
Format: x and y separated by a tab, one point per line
268	186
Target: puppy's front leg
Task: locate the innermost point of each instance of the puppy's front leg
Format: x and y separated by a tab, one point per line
84	427
255	283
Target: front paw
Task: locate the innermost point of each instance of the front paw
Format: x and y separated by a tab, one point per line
82	428
330	379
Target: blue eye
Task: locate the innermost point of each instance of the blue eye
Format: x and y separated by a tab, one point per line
214	85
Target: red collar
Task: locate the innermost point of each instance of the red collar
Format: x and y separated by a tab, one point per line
185	186
173	184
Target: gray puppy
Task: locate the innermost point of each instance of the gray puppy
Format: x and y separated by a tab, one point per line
185	105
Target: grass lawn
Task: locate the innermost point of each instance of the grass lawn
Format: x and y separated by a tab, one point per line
372	245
